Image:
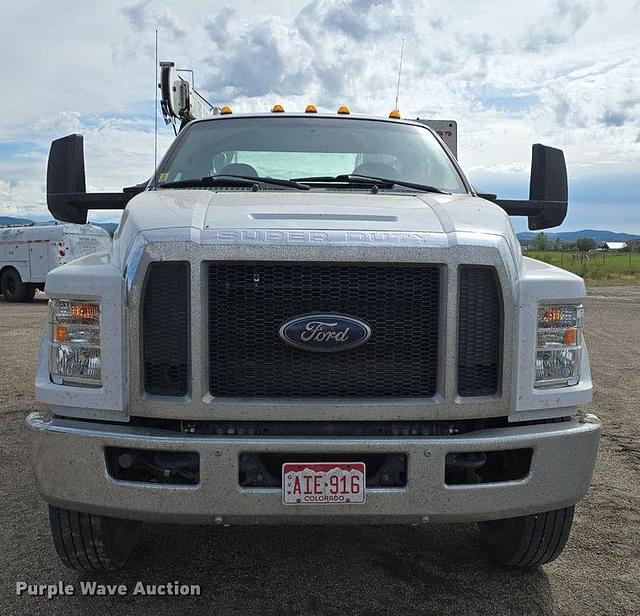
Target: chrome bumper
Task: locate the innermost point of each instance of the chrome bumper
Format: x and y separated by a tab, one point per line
70	470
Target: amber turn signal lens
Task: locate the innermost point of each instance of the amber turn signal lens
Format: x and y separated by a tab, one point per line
570	337
61	333
84	313
550	315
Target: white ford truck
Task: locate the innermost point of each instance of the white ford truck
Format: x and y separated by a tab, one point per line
311	319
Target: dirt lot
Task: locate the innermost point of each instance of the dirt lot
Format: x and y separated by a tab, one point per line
436	570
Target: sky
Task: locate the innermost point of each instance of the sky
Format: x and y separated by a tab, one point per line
565	73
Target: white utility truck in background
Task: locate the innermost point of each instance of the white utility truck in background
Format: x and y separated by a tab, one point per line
28	253
311	318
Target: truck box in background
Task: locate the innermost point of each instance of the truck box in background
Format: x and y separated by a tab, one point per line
29	253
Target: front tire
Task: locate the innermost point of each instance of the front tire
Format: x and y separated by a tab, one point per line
528	541
92	543
13	289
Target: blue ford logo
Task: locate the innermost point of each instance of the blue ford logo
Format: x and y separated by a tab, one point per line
324	332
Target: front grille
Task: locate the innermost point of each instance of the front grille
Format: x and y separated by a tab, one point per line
479	331
249	301
165	329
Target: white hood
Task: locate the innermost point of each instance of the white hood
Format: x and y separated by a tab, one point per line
205	211
295	217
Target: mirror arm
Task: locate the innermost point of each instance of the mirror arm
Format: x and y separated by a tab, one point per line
83	201
548	190
529	207
94	201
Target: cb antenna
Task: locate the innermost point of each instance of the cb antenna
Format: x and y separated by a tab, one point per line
155	117
399	73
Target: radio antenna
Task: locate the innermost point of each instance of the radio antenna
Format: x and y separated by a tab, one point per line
399	73
155	117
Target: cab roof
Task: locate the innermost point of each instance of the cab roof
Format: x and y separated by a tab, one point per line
302	114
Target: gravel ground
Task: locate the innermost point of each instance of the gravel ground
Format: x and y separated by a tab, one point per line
370	570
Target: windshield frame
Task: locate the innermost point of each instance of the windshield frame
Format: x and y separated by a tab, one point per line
173	149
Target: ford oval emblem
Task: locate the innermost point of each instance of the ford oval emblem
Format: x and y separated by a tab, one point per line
324	332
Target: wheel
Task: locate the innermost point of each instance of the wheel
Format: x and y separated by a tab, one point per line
31	292
13	288
529	541
90	543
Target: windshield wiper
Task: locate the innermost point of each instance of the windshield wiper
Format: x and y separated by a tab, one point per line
425	187
356	178
231	180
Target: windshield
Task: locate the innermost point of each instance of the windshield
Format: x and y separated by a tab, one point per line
300	147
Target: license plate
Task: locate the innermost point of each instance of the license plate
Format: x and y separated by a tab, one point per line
323	483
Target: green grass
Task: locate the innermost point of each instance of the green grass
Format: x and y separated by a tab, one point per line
596	268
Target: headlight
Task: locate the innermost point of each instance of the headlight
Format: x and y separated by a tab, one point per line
559	345
75	342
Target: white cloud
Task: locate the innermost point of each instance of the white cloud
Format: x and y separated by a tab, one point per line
22	198
566	19
514	167
562	72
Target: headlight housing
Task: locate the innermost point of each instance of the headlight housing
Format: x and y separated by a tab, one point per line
559	345
75	343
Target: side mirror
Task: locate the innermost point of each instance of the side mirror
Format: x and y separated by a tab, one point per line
548	184
548	191
65	177
67	198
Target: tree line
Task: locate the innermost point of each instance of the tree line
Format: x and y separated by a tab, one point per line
541	242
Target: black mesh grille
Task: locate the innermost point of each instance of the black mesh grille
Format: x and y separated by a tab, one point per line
165	329
249	301
479	331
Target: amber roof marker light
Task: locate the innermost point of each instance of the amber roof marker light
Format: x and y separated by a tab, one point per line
226	110
277	109
395	114
343	110
311	109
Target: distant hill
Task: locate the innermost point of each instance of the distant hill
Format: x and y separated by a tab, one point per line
12	220
572	236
